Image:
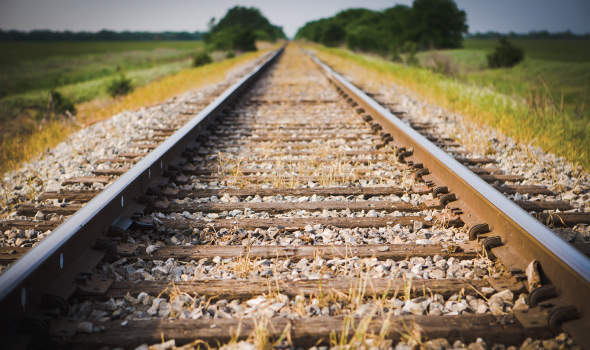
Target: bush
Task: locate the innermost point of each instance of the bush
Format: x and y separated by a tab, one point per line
230	54
410	49
442	63
59	104
121	85
395	57
201	58
505	56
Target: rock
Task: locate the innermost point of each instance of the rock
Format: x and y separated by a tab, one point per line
244	345
142	298
436	274
84	327
302	264
550	344
39	216
532	274
487	290
151	249
163	346
482	308
411	307
266	273
153	310
476	346
436	344
521	303
256	301
505	295
497	307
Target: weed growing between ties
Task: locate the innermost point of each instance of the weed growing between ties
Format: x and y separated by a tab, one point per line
530	114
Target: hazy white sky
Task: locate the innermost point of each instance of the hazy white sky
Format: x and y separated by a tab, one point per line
191	15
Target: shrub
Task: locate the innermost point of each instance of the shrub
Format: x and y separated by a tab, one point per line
410	48
121	85
59	104
395	56
201	58
230	54
442	63
505	56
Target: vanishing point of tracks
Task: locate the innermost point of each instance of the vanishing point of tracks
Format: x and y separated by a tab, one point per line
295	209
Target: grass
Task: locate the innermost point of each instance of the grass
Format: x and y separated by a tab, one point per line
541	101
557	68
562	50
80	71
26	140
26	67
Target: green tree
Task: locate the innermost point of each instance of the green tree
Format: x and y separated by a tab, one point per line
240	28
437	24
333	34
428	23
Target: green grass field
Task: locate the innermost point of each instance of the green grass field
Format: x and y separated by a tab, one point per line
22	138
81	71
26	67
543	100
554	70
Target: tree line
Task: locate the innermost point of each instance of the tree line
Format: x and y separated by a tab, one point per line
240	28
427	24
541	34
103	35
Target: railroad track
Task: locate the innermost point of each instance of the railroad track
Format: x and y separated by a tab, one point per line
294	211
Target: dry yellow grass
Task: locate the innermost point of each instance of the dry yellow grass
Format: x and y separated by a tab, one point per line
23	147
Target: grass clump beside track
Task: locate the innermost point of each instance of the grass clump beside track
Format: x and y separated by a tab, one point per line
541	101
22	146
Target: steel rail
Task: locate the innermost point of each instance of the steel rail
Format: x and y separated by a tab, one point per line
524	238
38	276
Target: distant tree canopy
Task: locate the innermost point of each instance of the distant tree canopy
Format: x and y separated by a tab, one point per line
428	23
240	28
103	35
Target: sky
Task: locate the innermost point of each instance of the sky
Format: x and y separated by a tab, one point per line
193	15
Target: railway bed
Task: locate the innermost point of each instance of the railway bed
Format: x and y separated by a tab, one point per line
294	211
